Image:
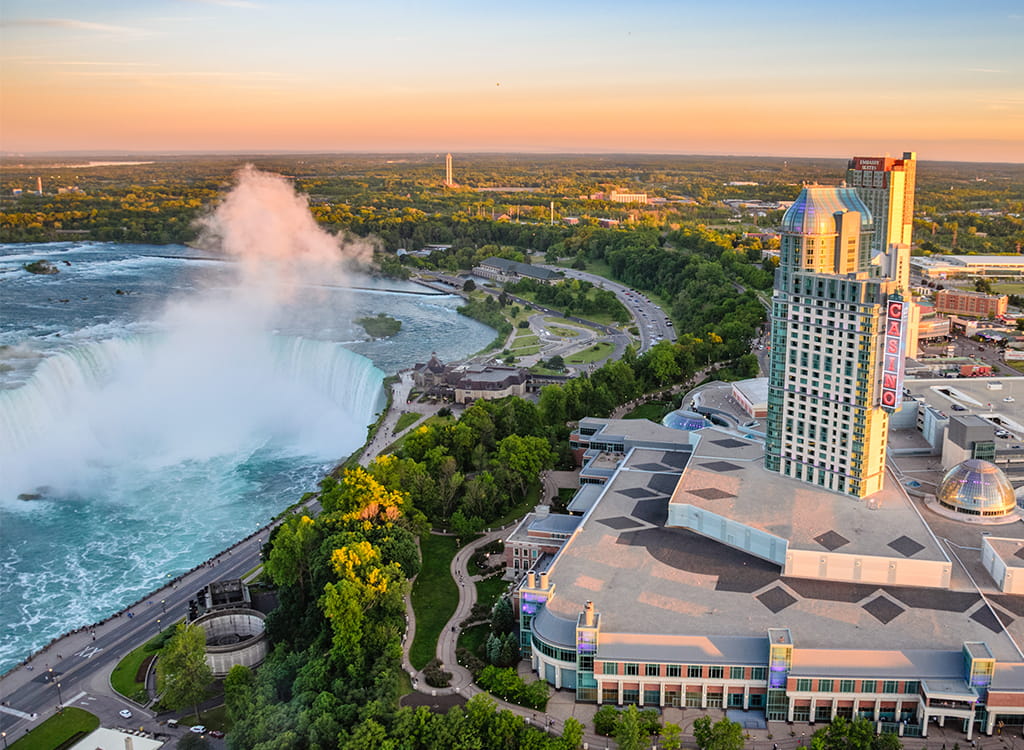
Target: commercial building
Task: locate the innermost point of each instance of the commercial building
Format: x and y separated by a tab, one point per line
886	186
503	270
975	304
826	420
949	266
710	569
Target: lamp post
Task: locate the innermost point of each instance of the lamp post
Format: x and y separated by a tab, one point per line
4	735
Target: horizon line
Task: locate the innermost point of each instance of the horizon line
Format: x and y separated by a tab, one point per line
78	153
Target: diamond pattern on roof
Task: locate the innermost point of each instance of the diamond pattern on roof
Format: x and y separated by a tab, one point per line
664	484
906	546
776	599
883	610
711	493
831	540
651	467
619	522
721	466
986	617
1019	553
635	493
653	511
730	443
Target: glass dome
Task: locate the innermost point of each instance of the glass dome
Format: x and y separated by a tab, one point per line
977	488
812	211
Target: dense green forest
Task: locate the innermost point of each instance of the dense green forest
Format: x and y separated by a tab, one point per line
401	198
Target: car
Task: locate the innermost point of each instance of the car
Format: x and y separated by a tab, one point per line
124	713
216	733
957	407
198	729
1008	399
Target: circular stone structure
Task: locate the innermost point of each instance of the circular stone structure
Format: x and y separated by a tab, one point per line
978	491
233	636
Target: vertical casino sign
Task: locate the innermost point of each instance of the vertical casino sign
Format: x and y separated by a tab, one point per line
894	346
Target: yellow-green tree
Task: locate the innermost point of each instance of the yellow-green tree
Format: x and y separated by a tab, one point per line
182	674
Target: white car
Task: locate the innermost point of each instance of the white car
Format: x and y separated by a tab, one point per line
198	729
1008	399
125	713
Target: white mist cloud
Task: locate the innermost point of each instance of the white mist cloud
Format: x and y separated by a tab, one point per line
216	381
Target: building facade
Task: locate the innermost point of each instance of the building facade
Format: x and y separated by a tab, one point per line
886	186
826	424
975	304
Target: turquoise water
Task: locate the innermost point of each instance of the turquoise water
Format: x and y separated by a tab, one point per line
161	411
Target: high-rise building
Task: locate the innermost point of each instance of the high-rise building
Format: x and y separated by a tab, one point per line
827	401
448	170
886	186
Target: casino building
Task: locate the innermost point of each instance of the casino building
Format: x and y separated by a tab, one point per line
780	566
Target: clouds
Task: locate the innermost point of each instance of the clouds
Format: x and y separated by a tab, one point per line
71	23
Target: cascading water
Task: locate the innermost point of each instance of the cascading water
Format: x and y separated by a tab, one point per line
123	405
163	407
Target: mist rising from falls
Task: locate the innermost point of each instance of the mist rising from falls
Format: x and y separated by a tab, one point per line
213	381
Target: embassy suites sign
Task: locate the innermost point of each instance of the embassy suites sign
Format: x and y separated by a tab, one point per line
892	357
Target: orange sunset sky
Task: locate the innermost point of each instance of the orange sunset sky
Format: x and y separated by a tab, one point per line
943	79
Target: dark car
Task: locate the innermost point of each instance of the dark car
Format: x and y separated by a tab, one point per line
216	733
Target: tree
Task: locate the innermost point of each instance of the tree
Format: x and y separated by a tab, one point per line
503	619
572	735
605	720
628	731
843	734
671	736
723	735
469	286
182	674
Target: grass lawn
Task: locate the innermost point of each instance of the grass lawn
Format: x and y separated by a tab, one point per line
214	718
434	596
404	683
428	422
1008	287
473	638
565	333
598	351
122	679
526	351
557	321
406	419
489	589
58	729
521	509
538	370
653	410
528	340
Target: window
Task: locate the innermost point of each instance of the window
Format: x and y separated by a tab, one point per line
867	686
824	686
889	686
694	671
610	667
735	673
846	686
652	670
911	687
803	686
632	669
715	673
759	673
674	670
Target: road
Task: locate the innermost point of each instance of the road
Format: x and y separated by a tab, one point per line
651	320
82	661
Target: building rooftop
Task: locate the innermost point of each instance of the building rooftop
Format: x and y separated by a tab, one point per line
812	212
672	584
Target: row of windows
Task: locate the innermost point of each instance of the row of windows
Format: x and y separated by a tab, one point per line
891	687
632	669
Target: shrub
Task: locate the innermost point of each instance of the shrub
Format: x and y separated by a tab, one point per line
435	675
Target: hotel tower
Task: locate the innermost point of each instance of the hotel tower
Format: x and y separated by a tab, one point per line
837	342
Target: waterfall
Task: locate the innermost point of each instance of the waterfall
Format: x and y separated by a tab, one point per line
147	403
